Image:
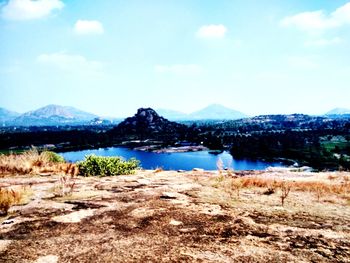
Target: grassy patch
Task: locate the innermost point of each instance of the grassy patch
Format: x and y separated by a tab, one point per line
34	162
10	197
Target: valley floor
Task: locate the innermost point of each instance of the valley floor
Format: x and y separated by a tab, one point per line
166	216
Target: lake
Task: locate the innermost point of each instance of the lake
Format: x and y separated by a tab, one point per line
174	161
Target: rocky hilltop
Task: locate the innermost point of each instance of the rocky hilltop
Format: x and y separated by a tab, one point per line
147	124
167	216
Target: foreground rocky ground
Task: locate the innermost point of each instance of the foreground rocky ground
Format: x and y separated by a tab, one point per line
175	217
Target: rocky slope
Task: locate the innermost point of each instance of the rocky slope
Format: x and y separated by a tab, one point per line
147	124
154	216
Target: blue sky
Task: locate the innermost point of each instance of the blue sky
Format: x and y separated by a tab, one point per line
112	57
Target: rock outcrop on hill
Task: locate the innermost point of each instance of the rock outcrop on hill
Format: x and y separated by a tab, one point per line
147	124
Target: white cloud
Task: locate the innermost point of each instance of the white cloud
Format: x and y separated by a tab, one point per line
70	62
88	27
316	21
29	9
179	69
211	31
342	14
323	42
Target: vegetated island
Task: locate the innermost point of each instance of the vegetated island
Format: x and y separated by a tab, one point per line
106	209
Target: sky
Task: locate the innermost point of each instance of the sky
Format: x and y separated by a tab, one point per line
110	57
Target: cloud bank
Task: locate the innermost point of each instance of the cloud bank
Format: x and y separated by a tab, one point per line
29	9
319	20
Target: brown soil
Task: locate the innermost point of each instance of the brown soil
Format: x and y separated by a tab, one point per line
172	217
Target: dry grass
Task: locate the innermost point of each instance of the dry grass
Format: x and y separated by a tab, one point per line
33	162
65	186
158	170
8	198
320	188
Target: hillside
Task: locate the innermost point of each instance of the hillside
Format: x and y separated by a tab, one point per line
217	112
7	116
211	112
172	216
147	124
52	115
338	111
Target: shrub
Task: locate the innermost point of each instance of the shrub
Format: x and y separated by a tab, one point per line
52	157
285	189
107	166
8	197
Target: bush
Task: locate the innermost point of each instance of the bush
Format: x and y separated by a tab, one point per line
107	166
8	197
53	157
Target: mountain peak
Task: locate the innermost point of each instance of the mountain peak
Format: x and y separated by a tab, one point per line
217	111
146	123
146	112
338	111
53	114
213	111
51	110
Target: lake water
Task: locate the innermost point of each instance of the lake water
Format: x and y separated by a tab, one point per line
174	161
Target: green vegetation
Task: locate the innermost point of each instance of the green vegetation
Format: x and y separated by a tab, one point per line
53	157
107	166
305	147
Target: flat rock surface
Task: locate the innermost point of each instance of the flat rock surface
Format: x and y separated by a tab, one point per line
169	216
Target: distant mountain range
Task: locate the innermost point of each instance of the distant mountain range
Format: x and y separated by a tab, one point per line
50	115
6	115
338	111
57	115
211	112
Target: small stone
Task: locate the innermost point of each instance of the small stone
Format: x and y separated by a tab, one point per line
187	230
175	222
142	212
198	170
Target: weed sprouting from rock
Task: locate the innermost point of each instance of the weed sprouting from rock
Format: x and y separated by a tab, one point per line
285	190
